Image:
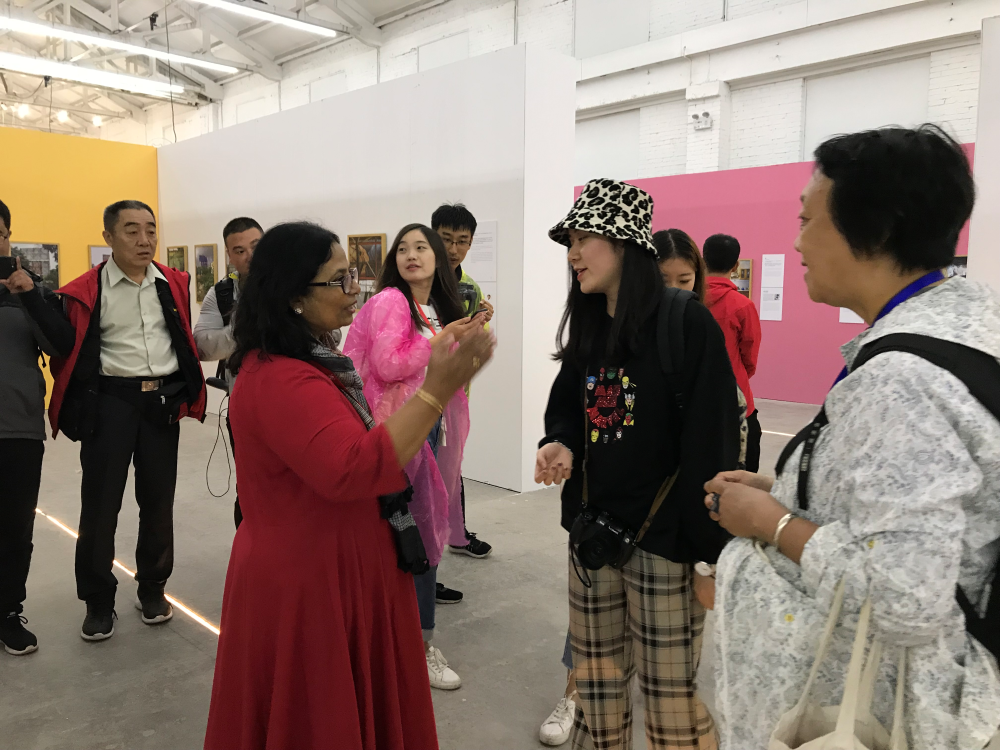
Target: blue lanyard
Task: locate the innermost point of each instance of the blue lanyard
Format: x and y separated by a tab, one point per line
910	291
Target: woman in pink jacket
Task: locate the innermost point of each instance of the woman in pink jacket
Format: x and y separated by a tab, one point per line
390	341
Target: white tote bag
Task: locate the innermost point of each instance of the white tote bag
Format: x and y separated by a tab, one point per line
851	725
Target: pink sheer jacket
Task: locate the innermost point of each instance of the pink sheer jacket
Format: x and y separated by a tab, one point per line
391	357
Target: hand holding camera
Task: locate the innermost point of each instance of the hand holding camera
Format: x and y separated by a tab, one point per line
13	277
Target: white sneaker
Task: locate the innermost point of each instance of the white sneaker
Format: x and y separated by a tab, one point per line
441	675
556	729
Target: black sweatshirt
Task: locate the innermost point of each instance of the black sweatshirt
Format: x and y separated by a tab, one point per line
637	437
29	322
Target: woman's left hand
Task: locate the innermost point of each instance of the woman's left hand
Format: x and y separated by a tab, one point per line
744	511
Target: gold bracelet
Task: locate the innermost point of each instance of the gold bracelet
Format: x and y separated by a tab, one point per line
785	520
429	400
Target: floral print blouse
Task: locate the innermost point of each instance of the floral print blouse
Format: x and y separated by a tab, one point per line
905	486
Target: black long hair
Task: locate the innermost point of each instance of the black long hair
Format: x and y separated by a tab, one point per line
287	258
676	243
639	293
444	290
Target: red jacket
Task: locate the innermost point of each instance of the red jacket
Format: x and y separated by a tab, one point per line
738	318
79	297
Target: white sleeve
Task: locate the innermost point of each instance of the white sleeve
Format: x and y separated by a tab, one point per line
213	338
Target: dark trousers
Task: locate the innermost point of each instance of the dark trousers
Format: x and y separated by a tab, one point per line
753	442
22	475
237	511
123	436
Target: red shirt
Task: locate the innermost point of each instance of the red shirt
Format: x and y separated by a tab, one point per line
740	323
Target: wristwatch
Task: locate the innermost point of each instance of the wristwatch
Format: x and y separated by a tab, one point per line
704	569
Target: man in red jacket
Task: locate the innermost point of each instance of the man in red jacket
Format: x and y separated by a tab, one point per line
132	375
740	323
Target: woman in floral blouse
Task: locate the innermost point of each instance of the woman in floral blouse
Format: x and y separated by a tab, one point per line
902	487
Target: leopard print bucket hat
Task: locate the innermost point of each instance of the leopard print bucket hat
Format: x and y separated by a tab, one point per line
611	208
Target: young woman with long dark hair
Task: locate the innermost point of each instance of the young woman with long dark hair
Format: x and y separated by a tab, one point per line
680	261
416	307
622	436
320	646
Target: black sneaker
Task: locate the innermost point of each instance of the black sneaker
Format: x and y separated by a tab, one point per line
156	611
17	639
476	548
446	595
99	624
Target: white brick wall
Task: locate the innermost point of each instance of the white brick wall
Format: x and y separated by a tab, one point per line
663	139
708	150
766	125
741	8
669	17
547	24
953	94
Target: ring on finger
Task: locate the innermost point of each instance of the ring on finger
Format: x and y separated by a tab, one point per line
716	499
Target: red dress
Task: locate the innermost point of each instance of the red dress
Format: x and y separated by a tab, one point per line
321	644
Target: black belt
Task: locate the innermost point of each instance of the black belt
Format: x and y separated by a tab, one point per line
140	385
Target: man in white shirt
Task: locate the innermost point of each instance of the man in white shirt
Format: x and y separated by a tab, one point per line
213	333
132	375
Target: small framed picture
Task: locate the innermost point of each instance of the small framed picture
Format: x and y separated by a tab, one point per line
205	269
366	252
743	277
99	254
41	258
177	257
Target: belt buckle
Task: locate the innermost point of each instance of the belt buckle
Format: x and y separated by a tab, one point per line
150	385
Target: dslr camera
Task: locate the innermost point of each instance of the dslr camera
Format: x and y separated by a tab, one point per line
599	540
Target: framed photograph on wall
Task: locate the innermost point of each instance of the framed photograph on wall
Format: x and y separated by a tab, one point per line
41	258
177	257
205	270
958	267
366	252
99	254
743	278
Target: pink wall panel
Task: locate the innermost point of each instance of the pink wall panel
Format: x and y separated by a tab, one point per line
800	355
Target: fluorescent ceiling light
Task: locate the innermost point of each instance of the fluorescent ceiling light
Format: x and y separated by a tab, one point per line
23	111
39	66
45	30
97	121
63	116
263	15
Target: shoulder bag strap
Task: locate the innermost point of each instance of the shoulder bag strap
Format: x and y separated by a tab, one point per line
665	488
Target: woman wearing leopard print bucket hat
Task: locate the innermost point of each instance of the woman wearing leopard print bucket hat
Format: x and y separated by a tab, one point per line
636	441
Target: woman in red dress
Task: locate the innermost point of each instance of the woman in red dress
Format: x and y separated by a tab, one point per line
321	644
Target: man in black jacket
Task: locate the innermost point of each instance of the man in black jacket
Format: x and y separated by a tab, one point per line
31	322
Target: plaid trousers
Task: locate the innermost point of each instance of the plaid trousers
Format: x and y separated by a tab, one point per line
642	619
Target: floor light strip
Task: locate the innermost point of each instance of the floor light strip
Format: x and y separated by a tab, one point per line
180	605
783	434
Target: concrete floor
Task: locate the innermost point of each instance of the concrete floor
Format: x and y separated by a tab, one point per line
149	687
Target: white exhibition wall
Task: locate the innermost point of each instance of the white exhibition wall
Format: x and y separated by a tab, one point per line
984	254
494	132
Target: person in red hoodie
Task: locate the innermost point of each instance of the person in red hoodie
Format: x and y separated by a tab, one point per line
740	322
132	375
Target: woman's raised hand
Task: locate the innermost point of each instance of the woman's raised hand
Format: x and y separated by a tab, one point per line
459	329
447	370
553	464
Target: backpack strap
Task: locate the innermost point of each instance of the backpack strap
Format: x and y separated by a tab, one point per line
980	373
670	338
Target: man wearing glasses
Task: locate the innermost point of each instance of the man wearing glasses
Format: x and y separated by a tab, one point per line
31	322
457	227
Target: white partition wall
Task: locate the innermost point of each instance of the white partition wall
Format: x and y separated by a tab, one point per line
494	132
984	247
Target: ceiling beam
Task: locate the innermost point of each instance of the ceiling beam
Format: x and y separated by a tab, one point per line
135	111
358	21
228	36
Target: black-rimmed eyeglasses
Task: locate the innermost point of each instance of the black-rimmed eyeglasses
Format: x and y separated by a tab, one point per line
345	282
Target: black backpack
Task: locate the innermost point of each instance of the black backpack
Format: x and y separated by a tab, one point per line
980	373
670	323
